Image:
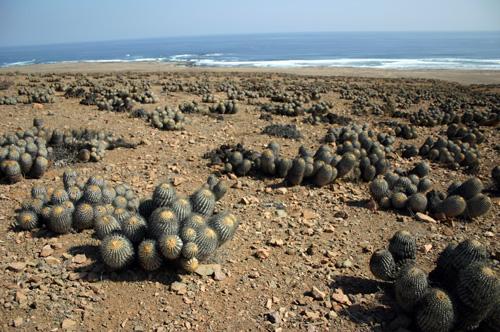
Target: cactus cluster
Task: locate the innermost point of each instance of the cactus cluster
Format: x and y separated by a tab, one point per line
5	100
285	131
433	117
167	119
466	134
444	151
406	131
400	189
36	95
24	154
208	98
81	204
28	153
227	107
461	293
286	109
320	168
190	107
164	227
462	199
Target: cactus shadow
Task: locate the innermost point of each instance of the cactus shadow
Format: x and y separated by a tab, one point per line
370	312
352	285
359	203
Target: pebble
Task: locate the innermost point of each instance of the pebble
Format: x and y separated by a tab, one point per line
46	251
79	259
207	269
17	266
68	324
178	287
18	321
317	294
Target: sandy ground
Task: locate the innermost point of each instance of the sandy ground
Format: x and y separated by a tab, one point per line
320	237
459	76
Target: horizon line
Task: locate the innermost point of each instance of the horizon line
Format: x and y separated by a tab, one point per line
244	34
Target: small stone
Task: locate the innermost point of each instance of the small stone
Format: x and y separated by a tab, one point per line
312	315
254	274
79	259
427	248
309	214
219	275
332	314
340	297
18	321
262	253
21	297
17	266
207	269
425	218
281	213
489	234
51	260
46	251
178	287
347	263
276	242
317	294
282	190
68	324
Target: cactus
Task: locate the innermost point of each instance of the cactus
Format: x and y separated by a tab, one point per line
203	201
382	265
402	245
452	206
60	219
106	225
163	221
134	228
170	246
116	251
477	206
225	225
207	241
410	287
436	312
163	195
148	255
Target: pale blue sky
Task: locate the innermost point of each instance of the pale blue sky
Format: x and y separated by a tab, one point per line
27	22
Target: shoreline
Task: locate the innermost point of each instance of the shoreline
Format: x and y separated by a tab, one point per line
462	76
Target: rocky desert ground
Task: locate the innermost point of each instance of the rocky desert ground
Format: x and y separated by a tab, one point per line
300	257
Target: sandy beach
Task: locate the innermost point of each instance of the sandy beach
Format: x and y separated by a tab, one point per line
458	76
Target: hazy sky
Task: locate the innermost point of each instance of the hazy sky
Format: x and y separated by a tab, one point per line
26	22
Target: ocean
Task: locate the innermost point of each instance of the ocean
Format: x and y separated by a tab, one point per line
394	50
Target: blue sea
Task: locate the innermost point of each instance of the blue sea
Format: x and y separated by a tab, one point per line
396	50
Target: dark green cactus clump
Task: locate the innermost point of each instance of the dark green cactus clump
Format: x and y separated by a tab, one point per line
413	193
359	155
454	155
462	293
227	107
